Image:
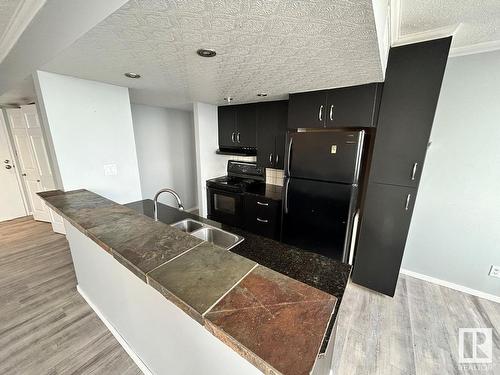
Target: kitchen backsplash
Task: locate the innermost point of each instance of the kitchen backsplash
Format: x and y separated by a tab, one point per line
274	176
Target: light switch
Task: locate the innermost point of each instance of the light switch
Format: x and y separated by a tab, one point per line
110	170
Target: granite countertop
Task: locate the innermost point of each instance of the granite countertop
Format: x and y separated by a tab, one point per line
313	269
269	310
265	190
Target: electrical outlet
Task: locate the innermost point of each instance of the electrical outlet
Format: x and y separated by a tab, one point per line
110	170
495	271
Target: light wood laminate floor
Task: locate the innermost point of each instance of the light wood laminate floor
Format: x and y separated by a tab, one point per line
46	327
416	332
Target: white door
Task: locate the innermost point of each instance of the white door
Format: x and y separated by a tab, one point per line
11	200
35	167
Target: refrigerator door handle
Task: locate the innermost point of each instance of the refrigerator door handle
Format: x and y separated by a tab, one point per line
289	157
414	171
286	196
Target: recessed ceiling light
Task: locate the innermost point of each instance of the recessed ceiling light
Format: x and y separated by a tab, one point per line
228	99
203	52
132	75
262	94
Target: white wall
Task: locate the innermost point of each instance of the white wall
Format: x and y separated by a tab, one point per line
90	125
455	230
208	163
164	140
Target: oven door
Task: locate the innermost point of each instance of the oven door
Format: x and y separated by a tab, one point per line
225	207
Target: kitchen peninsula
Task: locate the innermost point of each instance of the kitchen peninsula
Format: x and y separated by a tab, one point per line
272	304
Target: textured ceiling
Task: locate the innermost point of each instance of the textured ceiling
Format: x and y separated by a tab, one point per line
276	46
7	10
480	19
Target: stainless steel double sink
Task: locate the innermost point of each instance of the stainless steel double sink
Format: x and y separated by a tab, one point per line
208	233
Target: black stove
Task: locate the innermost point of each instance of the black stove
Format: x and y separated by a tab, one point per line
240	176
225	194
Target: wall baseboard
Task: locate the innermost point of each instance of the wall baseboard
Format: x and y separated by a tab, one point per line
447	284
142	366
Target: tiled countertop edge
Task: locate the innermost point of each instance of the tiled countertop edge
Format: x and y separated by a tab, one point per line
217	332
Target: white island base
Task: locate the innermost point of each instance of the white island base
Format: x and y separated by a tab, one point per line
159	336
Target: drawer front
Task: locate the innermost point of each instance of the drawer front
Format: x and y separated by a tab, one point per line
262	216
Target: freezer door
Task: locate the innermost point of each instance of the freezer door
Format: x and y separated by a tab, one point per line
326	156
317	216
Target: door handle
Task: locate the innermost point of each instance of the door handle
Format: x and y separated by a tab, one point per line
8	167
37	180
414	171
262	203
262	220
331	112
6	161
24	174
289	156
407	204
286	195
320	114
271	158
238	137
232	137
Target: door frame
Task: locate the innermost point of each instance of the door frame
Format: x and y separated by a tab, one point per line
4	122
25	193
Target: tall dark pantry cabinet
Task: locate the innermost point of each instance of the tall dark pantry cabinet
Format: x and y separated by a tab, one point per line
411	90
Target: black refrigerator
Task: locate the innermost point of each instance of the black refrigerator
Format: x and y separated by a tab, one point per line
322	172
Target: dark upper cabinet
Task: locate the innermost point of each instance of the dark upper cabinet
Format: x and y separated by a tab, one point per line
307	110
227	126
246	125
271	133
411	91
237	126
355	106
383	231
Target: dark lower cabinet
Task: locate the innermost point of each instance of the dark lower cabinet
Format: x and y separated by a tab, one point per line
384	228
262	216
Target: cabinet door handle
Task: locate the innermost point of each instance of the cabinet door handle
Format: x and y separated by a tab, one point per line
262	220
238	137
414	171
262	203
232	137
320	114
331	112
271	158
277	159
407	204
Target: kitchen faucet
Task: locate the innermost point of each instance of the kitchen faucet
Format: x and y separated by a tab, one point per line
155	201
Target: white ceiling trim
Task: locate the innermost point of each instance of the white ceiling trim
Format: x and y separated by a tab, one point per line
22	17
398	40
475	48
